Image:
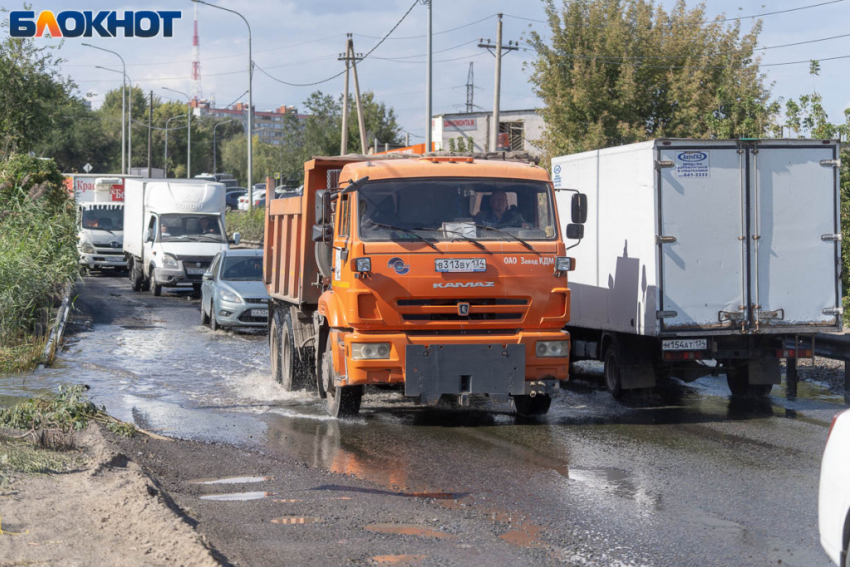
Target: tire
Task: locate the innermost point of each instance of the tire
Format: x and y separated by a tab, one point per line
274	344
205	319
340	401
213	321
528	406
146	282
613	383
84	271
155	287
136	277
294	373
738	380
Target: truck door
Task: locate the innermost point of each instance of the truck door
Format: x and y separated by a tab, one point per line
702	255
794	235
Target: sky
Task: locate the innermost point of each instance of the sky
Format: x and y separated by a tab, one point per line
299	41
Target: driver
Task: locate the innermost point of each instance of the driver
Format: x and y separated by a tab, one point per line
499	214
207	226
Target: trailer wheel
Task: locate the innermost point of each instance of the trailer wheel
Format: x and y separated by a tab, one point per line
738	379
528	406
613	383
274	344
341	401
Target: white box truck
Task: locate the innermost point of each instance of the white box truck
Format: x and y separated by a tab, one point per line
704	257
172	231
100	220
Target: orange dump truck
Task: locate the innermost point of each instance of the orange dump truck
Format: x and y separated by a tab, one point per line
434	276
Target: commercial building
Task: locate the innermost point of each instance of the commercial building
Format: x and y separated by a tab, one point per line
523	130
268	125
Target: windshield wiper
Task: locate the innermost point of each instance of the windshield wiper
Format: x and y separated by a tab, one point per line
408	231
463	236
213	237
508	234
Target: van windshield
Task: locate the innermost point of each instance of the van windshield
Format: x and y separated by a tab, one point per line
103	217
193	228
456	209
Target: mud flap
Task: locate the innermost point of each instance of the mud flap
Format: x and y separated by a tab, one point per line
637	376
464	369
764	371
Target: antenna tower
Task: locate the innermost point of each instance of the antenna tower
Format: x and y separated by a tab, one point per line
196	58
470	91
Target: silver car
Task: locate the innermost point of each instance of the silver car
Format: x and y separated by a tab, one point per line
233	293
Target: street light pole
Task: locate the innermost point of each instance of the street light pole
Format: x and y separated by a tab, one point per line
250	104
166	143
123	109
215	151
130	121
428	81
189	135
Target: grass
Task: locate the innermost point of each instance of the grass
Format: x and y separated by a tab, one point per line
24	457
21	356
250	224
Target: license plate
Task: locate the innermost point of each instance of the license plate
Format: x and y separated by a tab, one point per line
685	344
460	265
259	312
195	271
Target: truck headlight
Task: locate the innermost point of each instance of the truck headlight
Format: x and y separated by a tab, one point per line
370	351
225	295
169	261
87	247
363	265
559	349
564	264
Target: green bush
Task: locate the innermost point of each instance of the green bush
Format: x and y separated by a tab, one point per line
250	224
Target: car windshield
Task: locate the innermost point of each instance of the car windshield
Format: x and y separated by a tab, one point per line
103	217
242	269
456	209
195	228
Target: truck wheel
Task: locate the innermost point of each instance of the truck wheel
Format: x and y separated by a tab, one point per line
738	379
274	344
157	288
288	359
84	271
612	370
205	319
341	401
527	406
136	277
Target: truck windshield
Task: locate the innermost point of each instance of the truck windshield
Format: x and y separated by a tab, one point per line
456	209
103	217
242	269
195	228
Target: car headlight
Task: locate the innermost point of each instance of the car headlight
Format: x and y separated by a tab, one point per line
225	295
370	351
564	264
87	247
553	348
169	261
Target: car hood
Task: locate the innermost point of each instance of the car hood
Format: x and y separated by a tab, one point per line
247	289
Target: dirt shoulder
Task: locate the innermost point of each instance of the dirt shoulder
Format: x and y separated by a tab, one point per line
107	512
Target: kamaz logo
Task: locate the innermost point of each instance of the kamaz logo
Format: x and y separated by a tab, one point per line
692	156
448	285
74	23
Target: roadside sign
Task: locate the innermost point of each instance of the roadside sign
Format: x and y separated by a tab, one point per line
87	168
277	175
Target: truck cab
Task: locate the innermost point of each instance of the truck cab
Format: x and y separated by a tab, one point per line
100	225
436	276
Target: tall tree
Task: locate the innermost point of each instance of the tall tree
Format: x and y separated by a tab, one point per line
621	71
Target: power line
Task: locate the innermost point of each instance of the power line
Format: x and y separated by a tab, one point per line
803	42
463	58
435	33
423	54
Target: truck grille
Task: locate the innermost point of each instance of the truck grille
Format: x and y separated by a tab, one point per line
480	309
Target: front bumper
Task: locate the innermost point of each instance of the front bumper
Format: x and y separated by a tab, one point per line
239	314
98	260
172	277
485	364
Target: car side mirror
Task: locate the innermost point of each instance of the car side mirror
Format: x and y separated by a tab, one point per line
237	238
579	208
207	276
575	231
323	233
149	236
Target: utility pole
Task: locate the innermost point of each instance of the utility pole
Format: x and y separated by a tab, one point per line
343	146
361	121
511	46
428	77
150	134
470	91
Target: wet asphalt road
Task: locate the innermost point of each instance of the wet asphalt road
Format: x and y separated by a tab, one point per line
684	476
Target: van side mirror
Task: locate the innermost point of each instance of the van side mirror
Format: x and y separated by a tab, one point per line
579	208
237	237
323	206
323	233
575	231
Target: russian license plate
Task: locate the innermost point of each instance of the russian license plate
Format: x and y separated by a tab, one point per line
460	265
195	271
259	312
685	344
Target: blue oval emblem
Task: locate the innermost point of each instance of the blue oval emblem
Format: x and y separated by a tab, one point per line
692	156
399	266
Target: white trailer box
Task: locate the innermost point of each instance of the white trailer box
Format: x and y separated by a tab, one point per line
172	231
715	249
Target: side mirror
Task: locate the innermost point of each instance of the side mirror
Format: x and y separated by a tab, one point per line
323	206
237	237
575	231
323	233
207	276
579	208
149	235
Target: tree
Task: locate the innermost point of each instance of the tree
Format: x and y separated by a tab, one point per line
622	71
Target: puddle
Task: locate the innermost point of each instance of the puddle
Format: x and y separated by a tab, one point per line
291	501
231	480
525	536
289	520
238	496
409	529
431	495
398	559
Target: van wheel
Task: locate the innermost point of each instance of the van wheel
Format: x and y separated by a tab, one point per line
527	406
157	288
341	401
613	383
136	277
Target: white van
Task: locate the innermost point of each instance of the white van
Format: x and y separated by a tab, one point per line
100	224
172	231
